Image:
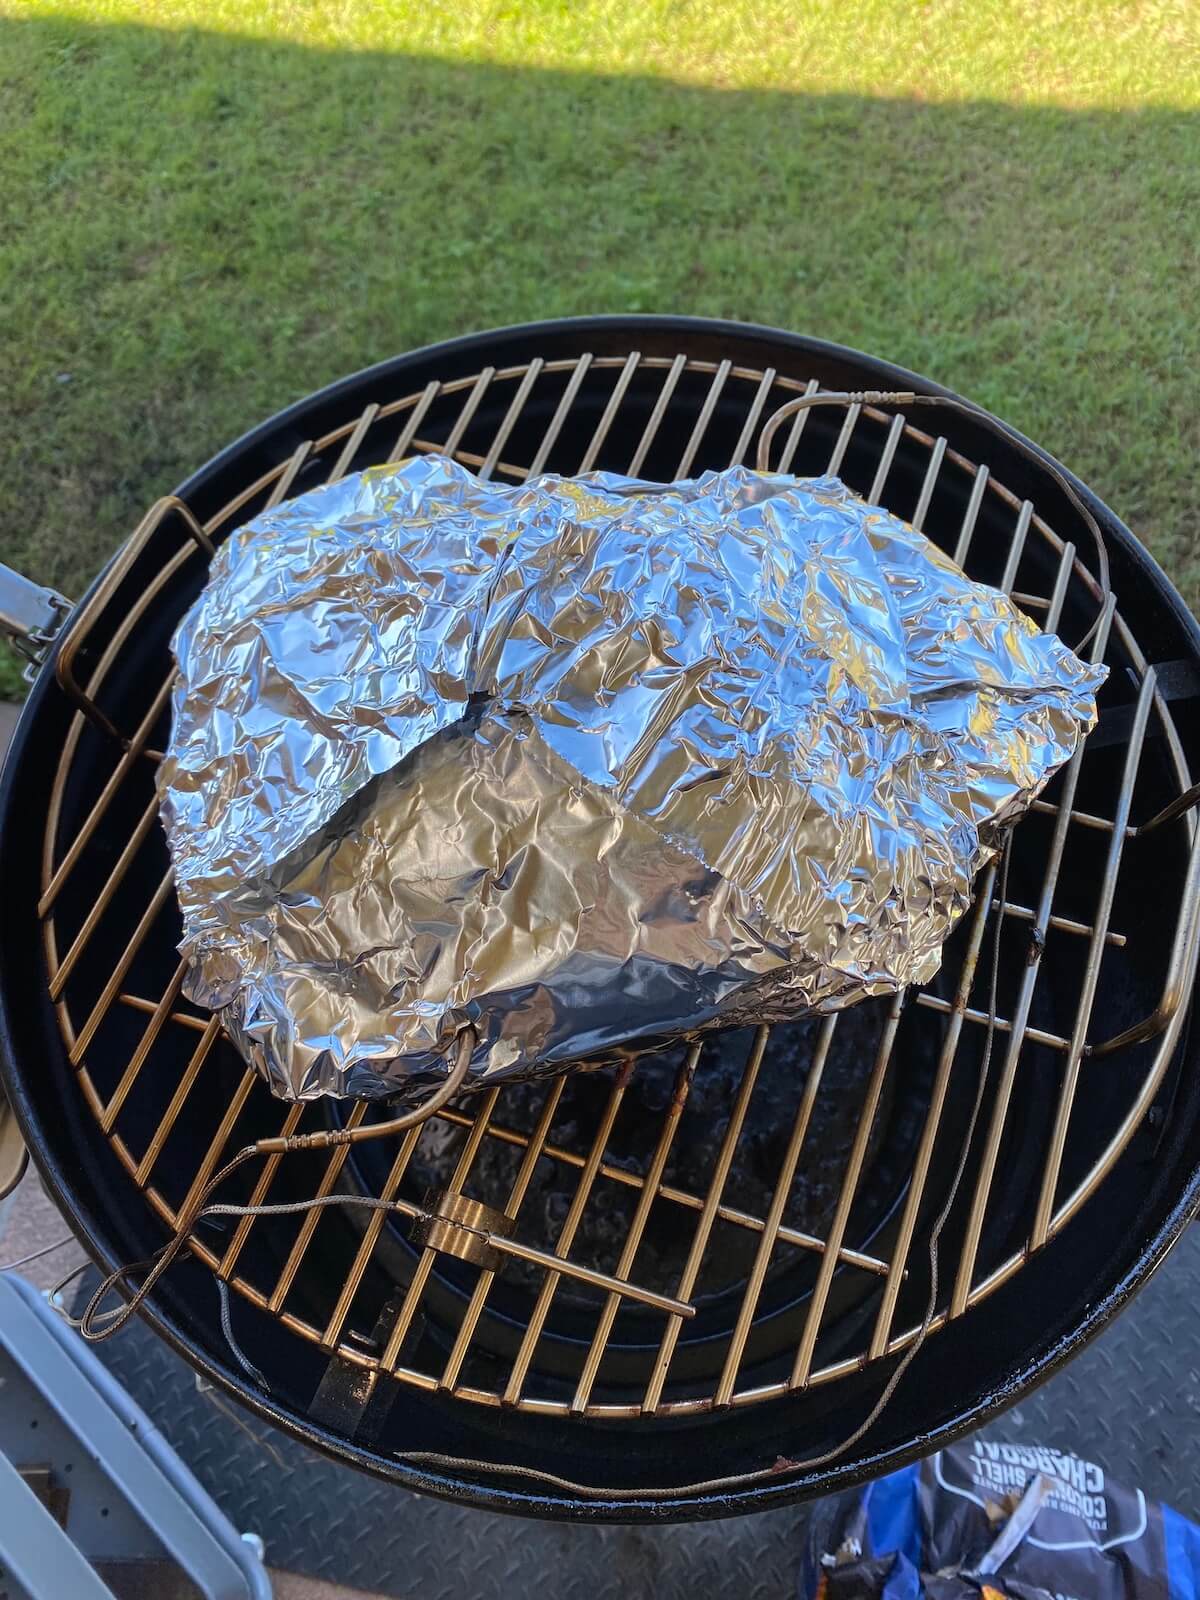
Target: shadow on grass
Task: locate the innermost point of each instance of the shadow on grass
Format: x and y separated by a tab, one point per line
211	226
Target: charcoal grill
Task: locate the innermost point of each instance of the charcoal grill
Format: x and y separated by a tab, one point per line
679	1287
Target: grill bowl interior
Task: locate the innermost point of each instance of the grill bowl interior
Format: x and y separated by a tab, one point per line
129	1097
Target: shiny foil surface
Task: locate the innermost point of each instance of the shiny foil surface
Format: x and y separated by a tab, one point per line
582	763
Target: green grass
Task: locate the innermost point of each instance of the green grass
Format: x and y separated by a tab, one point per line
207	210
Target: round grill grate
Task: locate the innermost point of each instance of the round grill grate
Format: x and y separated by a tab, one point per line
783	1183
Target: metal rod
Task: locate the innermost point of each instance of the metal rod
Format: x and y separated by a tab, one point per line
1017	548
104	899
167	1121
218	1141
416	1287
633	1237
259	1193
1081	819
351	447
650	431
416	417
610	411
933	1002
100	1010
144	1046
793	438
843	439
683	1197
538	463
284	483
510	419
516	1198
704	1225
765	384
1083	930
183	1019
470	406
802	1366
770	1233
895	429
703	420
937	1100
123	767
1091	974
582	1274
333	1167
337	1317
987	1167
583	1189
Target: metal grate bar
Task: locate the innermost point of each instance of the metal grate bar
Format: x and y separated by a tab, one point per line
416	1288
1091	976
927	485
1017	547
184	1019
971	516
610	411
416	417
120	773
770	1233
933	1002
650	432
470	406
299	456
350	449
916	1189
683	1197
337	1160
199	1055
984	905
703	420
797	428
100	1010
259	1193
337	1318
219	1140
691	1270
1083	930
102	901
583	1190
633	1238
987	1168
516	1198
802	1367
931	477
510	418
560	416
894	433
145	1044
843	439
765	384
1083	819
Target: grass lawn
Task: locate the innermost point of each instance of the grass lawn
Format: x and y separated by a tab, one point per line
208	209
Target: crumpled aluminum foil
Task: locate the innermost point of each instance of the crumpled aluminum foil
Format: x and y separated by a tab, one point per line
584	762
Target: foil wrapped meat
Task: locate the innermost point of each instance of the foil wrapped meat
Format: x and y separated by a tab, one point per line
583	763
